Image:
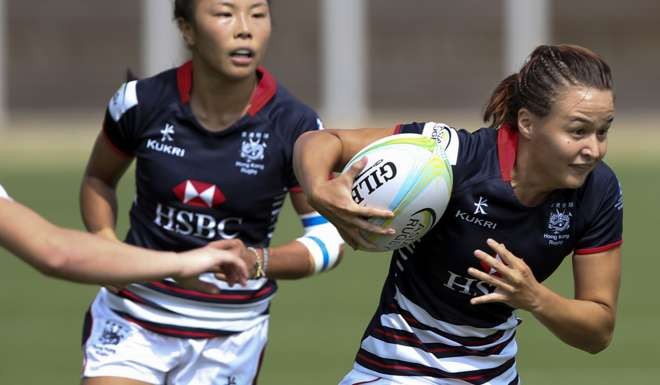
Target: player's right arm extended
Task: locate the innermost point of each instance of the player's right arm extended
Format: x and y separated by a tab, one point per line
319	153
98	197
82	257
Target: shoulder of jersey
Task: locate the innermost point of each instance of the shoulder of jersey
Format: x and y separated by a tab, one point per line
289	107
449	139
601	177
144	93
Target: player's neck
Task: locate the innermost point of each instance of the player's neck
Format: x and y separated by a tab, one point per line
527	182
217	102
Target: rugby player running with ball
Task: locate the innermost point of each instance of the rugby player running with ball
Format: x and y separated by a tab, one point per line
537	178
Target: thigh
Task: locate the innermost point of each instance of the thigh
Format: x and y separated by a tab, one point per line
230	360
117	351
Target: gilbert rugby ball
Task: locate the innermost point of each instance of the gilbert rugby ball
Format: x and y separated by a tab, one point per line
409	175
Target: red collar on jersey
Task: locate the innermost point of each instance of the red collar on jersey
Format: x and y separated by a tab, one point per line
262	94
507	144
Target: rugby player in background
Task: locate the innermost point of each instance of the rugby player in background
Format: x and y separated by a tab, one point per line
213	144
528	190
81	257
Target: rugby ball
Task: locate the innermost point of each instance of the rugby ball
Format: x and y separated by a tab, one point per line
409	175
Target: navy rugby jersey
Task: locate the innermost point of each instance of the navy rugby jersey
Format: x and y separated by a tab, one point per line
425	327
195	186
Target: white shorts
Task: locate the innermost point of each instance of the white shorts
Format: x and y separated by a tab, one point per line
119	348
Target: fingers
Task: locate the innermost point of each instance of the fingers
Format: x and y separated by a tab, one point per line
357	241
502	251
495	263
488	298
236	271
225	244
368	212
370	227
490	279
356	168
233	272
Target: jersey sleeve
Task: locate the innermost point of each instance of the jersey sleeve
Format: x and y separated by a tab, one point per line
120	124
307	120
604	217
461	147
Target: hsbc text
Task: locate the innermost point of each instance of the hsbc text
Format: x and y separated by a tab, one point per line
466	285
196	224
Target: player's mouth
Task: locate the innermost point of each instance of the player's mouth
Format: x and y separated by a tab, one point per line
582	168
242	56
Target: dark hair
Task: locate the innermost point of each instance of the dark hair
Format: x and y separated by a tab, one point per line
547	70
184	9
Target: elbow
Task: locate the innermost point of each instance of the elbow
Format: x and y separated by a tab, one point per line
599	340
600	344
54	259
54	265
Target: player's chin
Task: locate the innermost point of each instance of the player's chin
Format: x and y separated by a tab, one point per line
574	180
239	71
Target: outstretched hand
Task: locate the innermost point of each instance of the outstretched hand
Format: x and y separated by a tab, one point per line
222	257
333	200
236	247
515	284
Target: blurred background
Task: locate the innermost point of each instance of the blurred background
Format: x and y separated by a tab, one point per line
360	63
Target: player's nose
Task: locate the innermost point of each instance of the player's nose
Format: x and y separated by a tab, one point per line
594	148
243	30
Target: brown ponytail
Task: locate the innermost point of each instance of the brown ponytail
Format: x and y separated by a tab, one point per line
503	102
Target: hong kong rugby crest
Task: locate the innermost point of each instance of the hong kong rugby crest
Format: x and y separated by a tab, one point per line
559	222
252	152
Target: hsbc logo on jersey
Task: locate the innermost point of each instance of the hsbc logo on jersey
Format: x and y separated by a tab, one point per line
199	225
467	285
197	194
200	194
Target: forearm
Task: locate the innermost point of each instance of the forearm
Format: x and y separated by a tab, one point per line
586	325
88	258
75	255
98	207
289	261
316	155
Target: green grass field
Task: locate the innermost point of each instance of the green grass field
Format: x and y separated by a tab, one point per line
316	323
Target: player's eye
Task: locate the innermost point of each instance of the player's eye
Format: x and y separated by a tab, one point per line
578	132
259	15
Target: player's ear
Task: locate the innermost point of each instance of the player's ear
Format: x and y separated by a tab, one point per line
525	122
187	31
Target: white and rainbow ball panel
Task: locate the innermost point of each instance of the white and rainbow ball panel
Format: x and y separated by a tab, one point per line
409	175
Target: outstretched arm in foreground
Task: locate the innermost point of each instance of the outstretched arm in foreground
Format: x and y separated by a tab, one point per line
87	258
